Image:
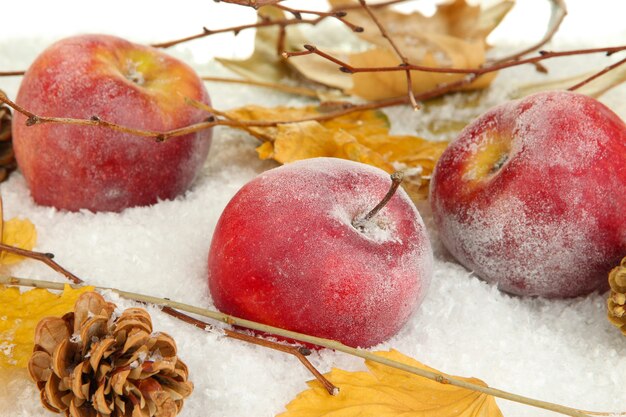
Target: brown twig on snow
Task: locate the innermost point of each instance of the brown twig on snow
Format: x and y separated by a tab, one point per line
46	258
336	13
281	23
331	344
403	58
559	11
471	75
299	352
301	91
11	73
543	55
597	75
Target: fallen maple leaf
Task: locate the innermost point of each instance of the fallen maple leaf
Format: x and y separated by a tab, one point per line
359	136
19	315
384	391
20	233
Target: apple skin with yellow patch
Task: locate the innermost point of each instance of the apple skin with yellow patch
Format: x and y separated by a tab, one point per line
92	167
531	196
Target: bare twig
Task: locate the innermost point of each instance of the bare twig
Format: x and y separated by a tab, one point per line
299	352
46	258
348	108
282	23
279	87
394	46
339	15
330	344
11	73
559	11
542	56
596	75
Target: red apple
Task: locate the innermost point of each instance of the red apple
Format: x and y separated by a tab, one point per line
532	195
286	252
74	167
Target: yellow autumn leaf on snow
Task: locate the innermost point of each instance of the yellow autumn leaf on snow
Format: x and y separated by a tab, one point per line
19	315
387	392
359	136
20	233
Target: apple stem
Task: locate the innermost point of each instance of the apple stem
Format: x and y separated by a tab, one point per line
396	179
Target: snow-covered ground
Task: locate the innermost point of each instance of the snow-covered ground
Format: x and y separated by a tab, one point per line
560	351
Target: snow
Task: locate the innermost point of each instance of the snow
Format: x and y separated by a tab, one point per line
562	351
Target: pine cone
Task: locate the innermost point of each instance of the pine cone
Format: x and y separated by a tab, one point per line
7	158
617	299
91	363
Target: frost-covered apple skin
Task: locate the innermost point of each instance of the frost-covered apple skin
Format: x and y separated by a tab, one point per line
531	195
285	253
95	168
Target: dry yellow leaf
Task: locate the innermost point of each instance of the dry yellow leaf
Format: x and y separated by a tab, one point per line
20	313
388	392
20	233
454	37
359	136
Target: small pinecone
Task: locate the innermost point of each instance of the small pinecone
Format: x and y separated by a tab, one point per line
617	299
7	158
90	363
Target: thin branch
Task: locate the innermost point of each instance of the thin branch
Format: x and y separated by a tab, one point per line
299	352
339	15
597	75
394	46
280	87
282	23
330	344
379	5
34	119
343	109
348	108
11	73
543	55
558	13
46	258
235	29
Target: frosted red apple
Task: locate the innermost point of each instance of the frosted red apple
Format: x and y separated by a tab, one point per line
532	195
285	253
74	167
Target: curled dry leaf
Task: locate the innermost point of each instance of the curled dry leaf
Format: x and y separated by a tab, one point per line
454	37
360	136
20	233
19	315
386	391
